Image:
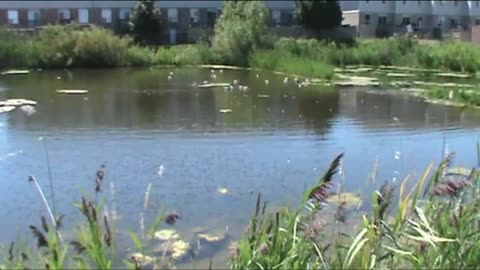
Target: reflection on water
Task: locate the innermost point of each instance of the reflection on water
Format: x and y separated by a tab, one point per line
277	140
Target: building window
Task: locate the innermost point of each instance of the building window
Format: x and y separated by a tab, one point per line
194	15
382	20
383	1
12	16
419	21
33	17
83	15
404	2
455	1
419	2
125	14
477	21
477	3
453	23
63	14
367	18
405	20
106	15
172	15
366	1
276	17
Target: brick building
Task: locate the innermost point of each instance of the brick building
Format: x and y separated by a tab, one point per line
179	16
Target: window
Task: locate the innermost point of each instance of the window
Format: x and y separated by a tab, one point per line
172	15
367	18
276	16
405	20
477	21
419	2
33	15
453	22
419	21
194	15
456	2
125	14
64	14
382	20
83	15
383	1
366	1
404	2
477	3
12	16
106	15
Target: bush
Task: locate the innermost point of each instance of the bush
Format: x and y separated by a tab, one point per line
241	28
182	55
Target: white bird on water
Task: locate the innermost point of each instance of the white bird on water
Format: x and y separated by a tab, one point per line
258	76
235	82
169	77
267	82
285	81
450	94
161	169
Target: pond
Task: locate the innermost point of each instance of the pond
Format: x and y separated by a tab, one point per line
278	139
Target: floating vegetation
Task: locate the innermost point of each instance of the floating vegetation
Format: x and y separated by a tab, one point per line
263	96
15	72
454	75
167	234
346	198
400	75
5	109
212	238
225	111
72	92
346	80
17	102
145	259
176	249
211	85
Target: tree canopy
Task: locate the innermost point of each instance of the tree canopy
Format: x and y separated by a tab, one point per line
242	27
146	22
317	15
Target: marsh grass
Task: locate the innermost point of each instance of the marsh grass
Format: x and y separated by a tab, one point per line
434	226
467	97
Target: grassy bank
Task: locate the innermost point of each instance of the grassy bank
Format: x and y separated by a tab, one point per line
435	225
72	46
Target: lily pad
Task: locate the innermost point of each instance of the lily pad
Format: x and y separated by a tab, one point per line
453	75
15	72
225	111
351	199
5	109
167	234
72	91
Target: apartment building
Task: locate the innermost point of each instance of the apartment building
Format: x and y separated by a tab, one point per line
423	15
178	16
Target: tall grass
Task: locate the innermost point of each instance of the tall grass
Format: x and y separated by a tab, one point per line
434	226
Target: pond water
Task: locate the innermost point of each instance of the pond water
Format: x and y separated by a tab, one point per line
277	140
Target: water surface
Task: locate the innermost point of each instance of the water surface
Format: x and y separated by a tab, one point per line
135	120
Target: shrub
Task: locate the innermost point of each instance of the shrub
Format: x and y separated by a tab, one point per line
241	28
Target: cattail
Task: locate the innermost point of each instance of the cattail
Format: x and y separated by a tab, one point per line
107	238
99	179
44	223
341	214
171	218
79	247
314	227
41	240
384	199
263	249
234	250
10	251
452	184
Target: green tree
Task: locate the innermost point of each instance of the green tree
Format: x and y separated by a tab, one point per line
242	27
317	15
146	22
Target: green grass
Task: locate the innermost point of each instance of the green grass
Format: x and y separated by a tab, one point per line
467	97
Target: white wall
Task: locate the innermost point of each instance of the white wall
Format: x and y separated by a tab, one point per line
412	7
376	6
474	8
349	5
448	8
